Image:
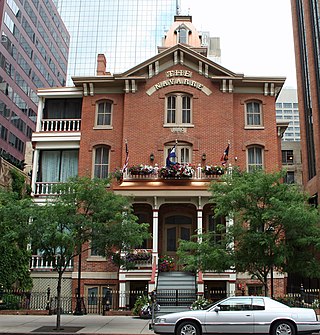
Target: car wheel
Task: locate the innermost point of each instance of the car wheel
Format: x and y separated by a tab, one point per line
283	328
188	328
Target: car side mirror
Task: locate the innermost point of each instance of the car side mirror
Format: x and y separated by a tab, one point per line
217	309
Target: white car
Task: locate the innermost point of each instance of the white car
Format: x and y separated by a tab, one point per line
240	315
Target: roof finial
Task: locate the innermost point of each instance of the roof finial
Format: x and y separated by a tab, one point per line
178	7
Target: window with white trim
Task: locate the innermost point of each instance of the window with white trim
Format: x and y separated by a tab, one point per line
178	109
183	153
104	113
253	114
254	158
101	162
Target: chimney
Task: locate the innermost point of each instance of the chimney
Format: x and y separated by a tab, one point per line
101	65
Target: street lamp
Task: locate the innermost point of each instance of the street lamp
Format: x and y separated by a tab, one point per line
78	310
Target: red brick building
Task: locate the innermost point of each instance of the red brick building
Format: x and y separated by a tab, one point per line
177	98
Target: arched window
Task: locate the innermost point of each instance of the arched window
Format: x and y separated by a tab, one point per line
183	153
101	162
104	113
253	114
255	158
178	109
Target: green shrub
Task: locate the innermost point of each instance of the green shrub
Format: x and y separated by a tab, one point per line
141	301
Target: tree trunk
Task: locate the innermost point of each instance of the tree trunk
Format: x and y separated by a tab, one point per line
58	322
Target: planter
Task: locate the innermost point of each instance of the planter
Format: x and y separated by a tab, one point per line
177	171
213	170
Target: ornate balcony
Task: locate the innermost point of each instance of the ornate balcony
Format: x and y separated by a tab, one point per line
178	171
198	173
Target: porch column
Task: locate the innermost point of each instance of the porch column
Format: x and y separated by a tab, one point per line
35	167
200	282
155	250
199	223
231	285
155	232
122	295
40	114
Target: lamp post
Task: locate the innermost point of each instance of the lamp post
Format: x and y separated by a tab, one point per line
78	310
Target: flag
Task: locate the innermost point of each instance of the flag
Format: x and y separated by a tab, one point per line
125	165
172	154
224	157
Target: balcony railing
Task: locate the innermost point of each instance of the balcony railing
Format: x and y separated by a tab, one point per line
40	263
47	188
60	125
198	174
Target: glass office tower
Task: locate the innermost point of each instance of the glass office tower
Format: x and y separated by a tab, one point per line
33	53
127	32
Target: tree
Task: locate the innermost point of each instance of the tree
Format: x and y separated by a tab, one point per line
274	227
83	207
14	240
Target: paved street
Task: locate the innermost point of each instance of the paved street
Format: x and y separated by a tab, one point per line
85	324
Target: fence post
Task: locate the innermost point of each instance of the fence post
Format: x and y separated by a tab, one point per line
48	300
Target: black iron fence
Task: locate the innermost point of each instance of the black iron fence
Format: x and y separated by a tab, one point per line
96	304
115	300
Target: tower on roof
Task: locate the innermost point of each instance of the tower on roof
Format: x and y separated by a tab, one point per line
184	32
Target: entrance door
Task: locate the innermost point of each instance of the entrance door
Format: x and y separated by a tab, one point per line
177	227
98	298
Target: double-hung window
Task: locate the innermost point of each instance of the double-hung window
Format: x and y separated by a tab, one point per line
255	158
253	114
178	110
104	113
101	162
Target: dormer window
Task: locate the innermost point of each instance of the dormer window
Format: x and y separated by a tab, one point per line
182	34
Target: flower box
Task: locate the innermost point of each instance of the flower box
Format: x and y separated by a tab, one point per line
215	170
177	171
141	170
137	256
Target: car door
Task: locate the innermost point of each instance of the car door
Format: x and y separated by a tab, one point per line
234	316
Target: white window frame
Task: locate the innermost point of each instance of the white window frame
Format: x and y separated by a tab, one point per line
255	164
105	103
253	114
178	110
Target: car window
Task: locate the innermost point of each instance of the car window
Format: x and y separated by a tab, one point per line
239	304
258	304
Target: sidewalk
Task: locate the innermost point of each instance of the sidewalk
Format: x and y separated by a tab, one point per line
85	324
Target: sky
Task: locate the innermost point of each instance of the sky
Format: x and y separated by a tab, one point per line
255	35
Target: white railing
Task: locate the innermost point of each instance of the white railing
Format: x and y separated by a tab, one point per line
42	188
38	262
60	125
